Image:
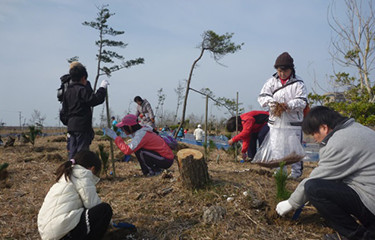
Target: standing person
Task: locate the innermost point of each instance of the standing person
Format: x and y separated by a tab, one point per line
144	112
342	186
152	153
166	129
181	133
253	127
72	209
114	122
198	134
287	90
76	112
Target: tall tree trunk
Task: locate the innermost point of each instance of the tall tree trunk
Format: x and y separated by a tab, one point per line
187	92
99	59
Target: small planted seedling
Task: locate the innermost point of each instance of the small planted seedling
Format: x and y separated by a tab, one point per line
281	176
103	155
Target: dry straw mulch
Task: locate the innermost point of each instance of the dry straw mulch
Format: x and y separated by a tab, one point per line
158	206
279	109
274	163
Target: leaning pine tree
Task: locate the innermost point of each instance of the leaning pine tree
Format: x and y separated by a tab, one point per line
218	46
106	58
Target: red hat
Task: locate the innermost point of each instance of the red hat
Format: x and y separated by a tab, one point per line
128	120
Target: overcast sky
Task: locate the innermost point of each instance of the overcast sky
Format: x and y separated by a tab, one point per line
38	36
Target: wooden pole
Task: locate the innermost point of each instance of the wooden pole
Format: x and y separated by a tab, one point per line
235	146
110	140
206	131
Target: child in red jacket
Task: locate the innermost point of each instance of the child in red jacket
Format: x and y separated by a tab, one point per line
152	153
253	127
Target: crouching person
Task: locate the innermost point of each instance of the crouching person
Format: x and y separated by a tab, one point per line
72	208
153	154
342	186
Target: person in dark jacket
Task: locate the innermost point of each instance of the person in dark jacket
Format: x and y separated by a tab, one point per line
76	108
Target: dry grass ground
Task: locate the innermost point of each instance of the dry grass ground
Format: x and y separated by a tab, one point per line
159	207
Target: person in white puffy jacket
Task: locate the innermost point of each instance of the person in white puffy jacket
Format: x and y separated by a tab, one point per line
72	208
198	134
287	89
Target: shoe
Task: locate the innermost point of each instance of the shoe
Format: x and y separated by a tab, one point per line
294	176
334	236
152	173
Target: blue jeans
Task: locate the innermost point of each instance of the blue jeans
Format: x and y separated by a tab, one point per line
254	137
79	141
338	203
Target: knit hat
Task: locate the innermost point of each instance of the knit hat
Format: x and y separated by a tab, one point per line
128	120
284	60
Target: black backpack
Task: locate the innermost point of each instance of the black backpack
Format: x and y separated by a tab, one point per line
65	81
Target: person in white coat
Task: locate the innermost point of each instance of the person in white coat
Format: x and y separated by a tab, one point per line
72	208
287	89
198	134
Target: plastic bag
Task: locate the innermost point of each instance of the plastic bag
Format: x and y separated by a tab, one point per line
170	141
281	144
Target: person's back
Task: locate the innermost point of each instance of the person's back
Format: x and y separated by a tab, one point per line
72	203
180	133
114	122
76	108
79	106
198	133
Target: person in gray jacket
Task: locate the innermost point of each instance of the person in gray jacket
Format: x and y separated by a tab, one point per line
144	112
342	186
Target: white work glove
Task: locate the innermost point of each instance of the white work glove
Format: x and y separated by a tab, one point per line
244	156
104	84
283	208
110	133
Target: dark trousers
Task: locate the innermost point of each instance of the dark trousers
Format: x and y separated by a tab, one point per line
338	203
151	161
79	141
254	137
93	223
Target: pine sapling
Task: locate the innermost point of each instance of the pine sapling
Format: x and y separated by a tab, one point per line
33	132
103	155
281	192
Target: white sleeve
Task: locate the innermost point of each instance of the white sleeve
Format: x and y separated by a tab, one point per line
265	97
300	99
87	191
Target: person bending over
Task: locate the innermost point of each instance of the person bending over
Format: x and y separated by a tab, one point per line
253	127
152	153
342	186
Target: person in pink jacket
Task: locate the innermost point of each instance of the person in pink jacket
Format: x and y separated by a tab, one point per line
152	153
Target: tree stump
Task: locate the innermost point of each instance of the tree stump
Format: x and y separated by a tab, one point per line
193	168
